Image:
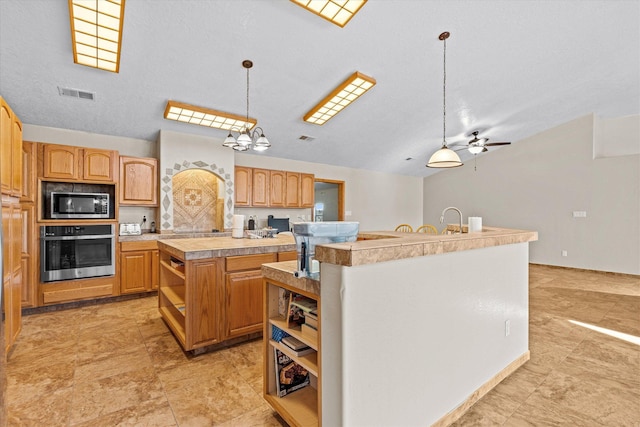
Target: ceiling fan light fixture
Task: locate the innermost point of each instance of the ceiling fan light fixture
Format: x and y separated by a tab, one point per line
338	12
476	149
344	94
444	157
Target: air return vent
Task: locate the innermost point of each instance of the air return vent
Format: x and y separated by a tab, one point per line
306	138
76	93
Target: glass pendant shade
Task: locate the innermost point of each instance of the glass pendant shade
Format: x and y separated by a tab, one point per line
475	149
230	141
444	158
261	144
244	139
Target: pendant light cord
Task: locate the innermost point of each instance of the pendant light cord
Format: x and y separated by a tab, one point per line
444	94
247	123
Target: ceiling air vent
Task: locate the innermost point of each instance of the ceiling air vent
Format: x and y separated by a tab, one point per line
76	93
306	138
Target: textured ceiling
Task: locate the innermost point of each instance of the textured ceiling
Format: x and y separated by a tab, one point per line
514	68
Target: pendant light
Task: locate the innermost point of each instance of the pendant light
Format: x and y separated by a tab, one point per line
248	139
444	157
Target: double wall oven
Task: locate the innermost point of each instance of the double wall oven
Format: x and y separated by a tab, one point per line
77	251
76	242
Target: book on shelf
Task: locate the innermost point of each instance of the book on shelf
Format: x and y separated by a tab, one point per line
311	320
294	343
299	307
289	375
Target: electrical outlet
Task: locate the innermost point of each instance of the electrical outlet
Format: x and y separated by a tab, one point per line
507	328
579	214
347	213
564	253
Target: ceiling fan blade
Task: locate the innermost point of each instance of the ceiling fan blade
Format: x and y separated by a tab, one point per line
496	143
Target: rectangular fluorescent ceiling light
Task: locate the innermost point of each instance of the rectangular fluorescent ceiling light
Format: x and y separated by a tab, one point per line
96	32
337	11
350	90
206	117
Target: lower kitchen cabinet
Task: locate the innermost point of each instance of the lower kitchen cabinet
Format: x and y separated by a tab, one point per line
139	265
243	293
209	301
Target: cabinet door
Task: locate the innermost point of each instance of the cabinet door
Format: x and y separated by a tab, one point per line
242	190
28	256
155	269
203	302
307	195
135	269
61	161
29	170
293	189
260	188
138	181
244	302
5	146
12	280
16	157
278	189
99	165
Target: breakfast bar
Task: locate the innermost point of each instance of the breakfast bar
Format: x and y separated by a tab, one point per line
414	328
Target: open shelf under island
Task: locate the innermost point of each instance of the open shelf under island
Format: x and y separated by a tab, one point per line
413	329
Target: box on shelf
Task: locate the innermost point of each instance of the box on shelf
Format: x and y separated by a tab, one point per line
289	375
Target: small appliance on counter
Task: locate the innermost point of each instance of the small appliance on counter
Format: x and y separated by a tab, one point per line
281	224
310	234
130	229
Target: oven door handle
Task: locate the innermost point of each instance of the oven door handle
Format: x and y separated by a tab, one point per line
104	236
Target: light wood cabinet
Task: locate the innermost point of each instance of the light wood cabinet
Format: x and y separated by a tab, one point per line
307	190
139	264
11	151
28	255
29	172
278	189
11	186
260	188
273	188
138	181
243	185
189	299
302	407
76	163
243	293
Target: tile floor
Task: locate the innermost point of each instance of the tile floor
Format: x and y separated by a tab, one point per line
117	364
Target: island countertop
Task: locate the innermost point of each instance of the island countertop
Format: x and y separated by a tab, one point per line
217	247
380	246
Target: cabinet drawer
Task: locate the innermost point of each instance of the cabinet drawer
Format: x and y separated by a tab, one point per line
142	245
288	256
249	262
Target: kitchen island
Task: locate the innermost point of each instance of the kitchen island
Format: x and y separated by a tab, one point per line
414	328
210	290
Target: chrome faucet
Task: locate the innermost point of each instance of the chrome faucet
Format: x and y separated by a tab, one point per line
455	209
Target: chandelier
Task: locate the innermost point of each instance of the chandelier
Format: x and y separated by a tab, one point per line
444	157
247	138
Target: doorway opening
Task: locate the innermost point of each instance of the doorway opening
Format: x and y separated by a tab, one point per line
328	200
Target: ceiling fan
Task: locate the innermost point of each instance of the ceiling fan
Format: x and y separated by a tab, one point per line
478	145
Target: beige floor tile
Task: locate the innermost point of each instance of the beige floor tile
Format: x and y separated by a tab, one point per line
50	409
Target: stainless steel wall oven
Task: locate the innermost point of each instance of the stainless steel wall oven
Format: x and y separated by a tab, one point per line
77	251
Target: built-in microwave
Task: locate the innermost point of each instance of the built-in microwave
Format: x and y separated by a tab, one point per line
79	205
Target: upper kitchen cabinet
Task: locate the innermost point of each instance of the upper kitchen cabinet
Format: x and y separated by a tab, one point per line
273	188
76	163
243	179
260	188
278	190
300	190
11	149
138	181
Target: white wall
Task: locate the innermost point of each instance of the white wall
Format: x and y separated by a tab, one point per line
378	201
537	183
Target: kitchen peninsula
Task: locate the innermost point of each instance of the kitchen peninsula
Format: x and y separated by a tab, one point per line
211	288
412	330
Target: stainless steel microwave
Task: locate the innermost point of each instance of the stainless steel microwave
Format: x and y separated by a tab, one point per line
79	205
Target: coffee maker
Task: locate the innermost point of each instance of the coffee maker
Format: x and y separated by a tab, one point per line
310	234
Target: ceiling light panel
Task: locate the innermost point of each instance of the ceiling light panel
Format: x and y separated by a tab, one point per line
206	117
96	32
350	90
337	11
